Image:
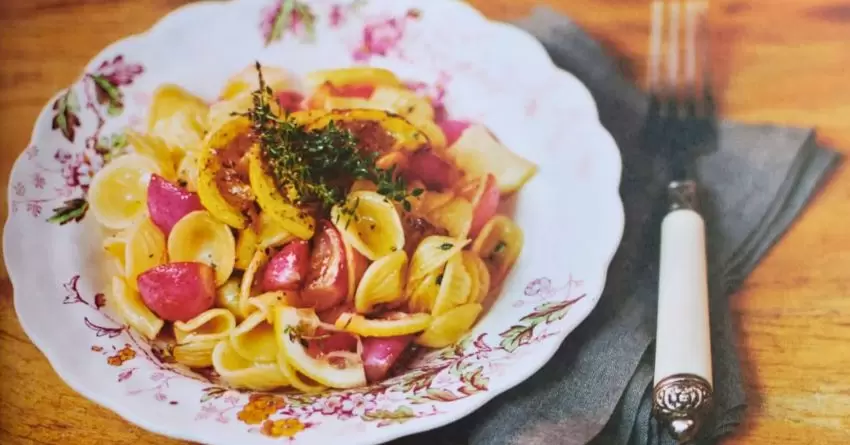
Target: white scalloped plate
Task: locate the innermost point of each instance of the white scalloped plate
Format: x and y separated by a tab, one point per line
493	73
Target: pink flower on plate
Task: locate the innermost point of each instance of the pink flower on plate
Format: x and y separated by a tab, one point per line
20	189
379	38
118	72
39	181
390	397
359	404
32	152
160	397
330	405
336	16
64	157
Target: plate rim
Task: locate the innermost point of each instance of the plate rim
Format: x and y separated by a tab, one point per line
512	380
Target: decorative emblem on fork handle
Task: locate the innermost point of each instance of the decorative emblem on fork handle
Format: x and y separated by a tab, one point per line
683	387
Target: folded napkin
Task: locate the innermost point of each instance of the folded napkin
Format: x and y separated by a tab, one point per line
597	388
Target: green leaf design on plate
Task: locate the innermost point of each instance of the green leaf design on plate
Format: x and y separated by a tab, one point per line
108	94
516	336
288	11
212	393
71	210
386	417
66	119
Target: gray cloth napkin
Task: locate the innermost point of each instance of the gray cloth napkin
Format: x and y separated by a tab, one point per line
597	387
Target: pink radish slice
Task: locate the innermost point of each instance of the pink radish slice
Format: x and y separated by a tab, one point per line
486	207
178	291
430	169
290	100
453	129
168	203
288	268
381	353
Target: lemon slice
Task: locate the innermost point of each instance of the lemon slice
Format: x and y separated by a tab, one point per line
402	324
373	228
290	324
201	238
287	216
449	327
118	192
294	379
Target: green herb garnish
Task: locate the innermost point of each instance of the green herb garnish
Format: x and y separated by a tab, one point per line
316	166
500	246
446	246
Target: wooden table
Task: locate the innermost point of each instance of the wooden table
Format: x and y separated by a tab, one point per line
782	61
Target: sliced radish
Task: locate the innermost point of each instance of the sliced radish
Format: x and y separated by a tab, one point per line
381	353
485	207
453	129
168	203
288	268
178	291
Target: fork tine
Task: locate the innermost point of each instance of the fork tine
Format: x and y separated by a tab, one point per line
673	37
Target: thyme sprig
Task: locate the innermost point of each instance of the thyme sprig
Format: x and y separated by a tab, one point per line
317	165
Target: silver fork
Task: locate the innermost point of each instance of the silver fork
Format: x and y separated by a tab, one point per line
679	122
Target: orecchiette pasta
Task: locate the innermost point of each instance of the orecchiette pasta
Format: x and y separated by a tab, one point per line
305	243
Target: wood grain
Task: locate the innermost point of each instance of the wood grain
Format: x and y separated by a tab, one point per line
783	61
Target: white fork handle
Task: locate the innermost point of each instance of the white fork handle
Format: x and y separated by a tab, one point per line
683	344
683	377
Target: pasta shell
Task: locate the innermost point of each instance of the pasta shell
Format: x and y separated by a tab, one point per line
246	287
430	201
116	246
450	327
118	192
373	228
145	249
432	131
455	286
352	76
241	373
432	253
477	152
154	148
297	381
209	166
289	217
272	233
422	293
398	323
227	297
382	283
254	339
499	245
187	171
247	81
201	238
223	111
290	326
266	302
178	117
132	310
403	102
195	354
246	246
212	324
454	216
479	275
170	100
